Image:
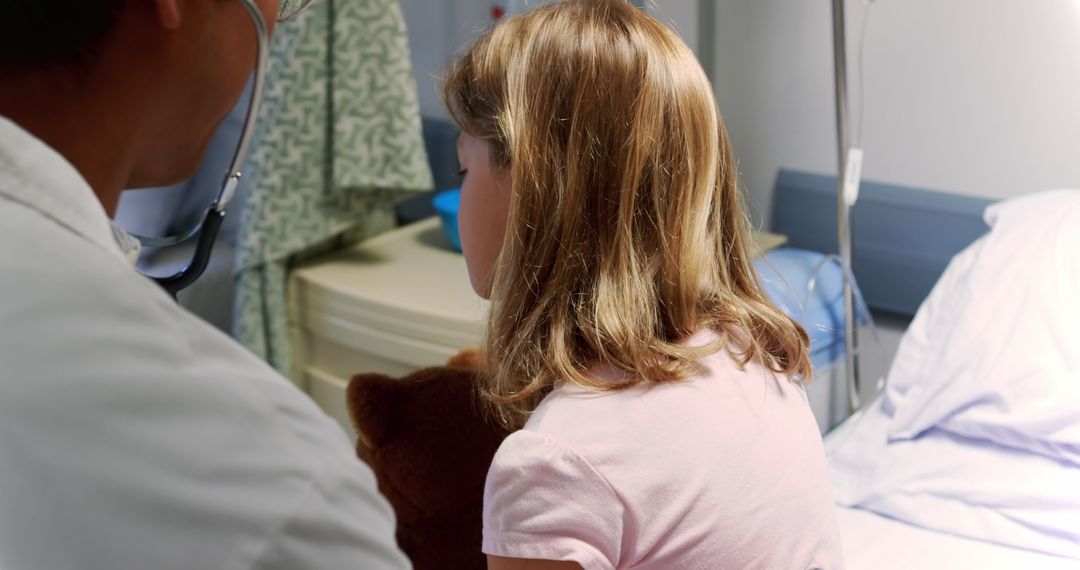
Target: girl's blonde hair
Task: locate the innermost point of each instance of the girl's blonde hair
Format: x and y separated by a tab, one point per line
626	232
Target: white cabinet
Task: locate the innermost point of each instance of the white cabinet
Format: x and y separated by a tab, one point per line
393	304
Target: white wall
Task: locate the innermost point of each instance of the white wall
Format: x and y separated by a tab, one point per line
979	97
437	29
681	15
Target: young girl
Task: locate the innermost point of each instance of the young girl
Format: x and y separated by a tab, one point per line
658	390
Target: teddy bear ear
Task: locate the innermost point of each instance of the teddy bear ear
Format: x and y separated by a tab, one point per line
469	359
372	399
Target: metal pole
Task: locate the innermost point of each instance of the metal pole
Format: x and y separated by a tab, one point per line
843	216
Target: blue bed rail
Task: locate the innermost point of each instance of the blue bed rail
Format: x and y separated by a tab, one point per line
903	238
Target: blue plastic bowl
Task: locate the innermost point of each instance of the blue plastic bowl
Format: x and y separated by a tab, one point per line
447	204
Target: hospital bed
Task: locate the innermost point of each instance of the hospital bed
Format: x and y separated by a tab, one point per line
970	455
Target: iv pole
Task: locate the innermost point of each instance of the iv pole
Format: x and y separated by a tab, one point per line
843	208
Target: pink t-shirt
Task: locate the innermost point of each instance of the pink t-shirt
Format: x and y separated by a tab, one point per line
724	470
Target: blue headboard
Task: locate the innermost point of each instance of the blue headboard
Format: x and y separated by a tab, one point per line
903	237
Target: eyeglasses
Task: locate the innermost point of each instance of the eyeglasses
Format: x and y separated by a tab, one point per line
289	10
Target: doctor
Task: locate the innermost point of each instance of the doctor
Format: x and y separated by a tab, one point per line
132	435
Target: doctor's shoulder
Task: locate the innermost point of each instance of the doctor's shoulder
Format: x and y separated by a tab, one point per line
141	437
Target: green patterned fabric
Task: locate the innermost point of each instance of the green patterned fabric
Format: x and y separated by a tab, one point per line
338	141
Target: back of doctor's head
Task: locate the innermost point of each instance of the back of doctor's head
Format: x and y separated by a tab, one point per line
626	230
36	34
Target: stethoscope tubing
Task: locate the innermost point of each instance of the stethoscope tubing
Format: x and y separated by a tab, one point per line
208	228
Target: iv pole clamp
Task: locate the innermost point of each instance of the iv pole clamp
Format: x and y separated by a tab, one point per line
843	205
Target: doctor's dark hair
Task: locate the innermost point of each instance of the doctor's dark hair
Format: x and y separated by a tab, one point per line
626	233
39	34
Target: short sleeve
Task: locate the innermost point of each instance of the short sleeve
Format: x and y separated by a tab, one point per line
544	501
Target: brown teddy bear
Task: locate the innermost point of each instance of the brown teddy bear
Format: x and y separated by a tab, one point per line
430	444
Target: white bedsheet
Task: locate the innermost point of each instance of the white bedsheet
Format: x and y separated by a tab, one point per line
945	483
873	542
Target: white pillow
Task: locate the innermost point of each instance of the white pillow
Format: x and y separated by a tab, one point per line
994	351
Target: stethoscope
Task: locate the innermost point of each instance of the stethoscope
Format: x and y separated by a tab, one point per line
207	229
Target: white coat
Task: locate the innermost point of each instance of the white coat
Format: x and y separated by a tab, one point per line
133	436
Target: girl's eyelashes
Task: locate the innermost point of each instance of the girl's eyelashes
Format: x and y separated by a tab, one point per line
461	173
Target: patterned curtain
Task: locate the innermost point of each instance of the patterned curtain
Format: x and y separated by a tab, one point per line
339	140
